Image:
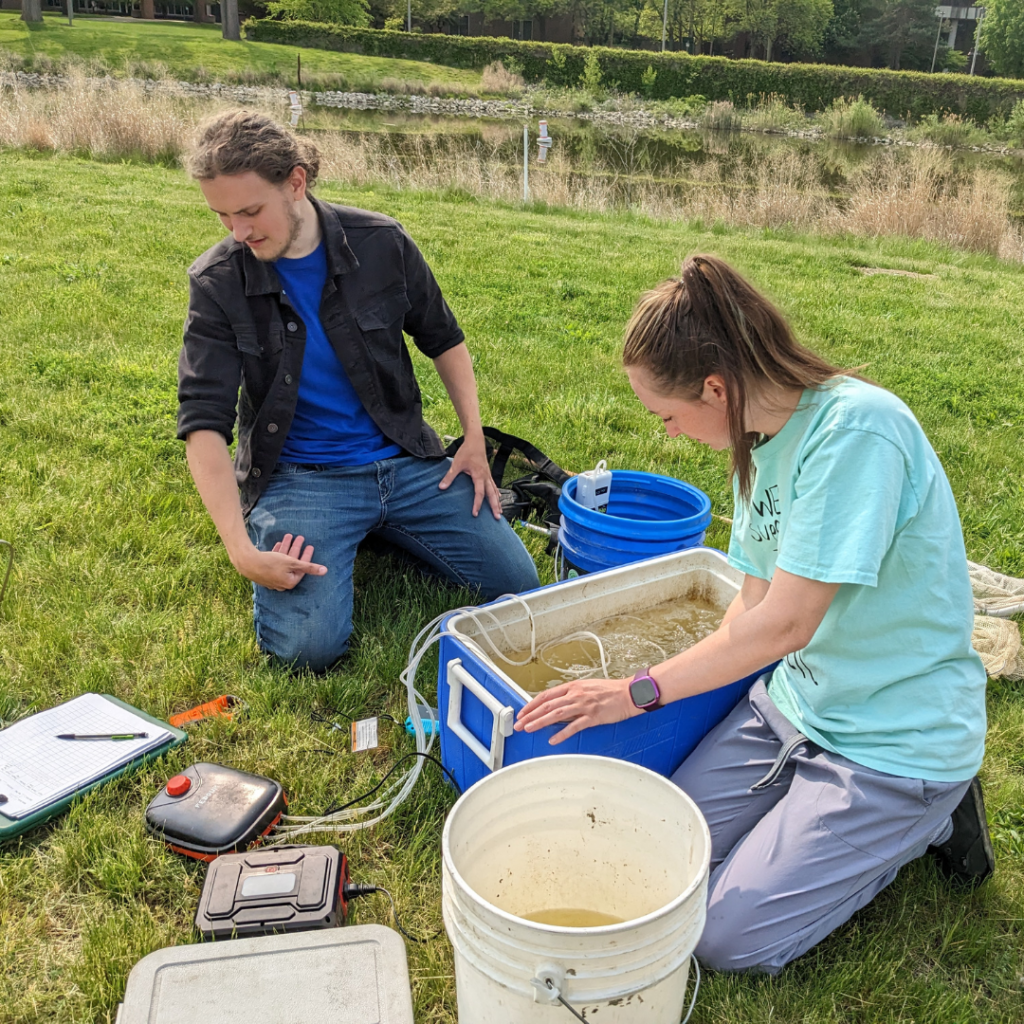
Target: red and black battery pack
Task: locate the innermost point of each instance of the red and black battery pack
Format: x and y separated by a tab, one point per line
209	810
281	889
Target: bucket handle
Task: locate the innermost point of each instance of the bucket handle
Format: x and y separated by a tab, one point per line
549	979
459	678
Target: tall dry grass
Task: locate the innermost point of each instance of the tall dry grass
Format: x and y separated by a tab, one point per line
438	163
773	114
924	195
395	86
778	192
721	116
498	79
848	118
916	193
108	120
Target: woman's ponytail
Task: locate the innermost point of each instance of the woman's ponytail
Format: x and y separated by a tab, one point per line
711	320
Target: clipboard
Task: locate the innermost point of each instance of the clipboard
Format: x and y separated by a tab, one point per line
10	828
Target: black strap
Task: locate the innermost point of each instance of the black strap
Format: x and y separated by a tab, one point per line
541	463
506	445
535	494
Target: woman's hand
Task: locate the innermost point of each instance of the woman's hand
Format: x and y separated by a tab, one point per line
578	704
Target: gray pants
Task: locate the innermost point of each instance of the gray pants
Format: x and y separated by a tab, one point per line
795	857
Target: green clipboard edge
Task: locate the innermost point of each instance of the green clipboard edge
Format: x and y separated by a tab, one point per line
10	828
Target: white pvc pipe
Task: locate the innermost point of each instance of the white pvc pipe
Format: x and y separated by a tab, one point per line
526	164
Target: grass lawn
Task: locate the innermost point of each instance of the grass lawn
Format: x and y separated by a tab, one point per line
121	585
183	48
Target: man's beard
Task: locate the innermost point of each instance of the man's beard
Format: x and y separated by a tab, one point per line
294	230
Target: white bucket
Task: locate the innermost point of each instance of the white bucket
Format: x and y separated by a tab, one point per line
582	832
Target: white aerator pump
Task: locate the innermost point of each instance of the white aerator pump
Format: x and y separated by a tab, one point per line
594	487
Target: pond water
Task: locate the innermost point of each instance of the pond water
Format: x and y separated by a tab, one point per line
673	158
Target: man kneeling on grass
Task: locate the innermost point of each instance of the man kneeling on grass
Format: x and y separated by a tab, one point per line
295	321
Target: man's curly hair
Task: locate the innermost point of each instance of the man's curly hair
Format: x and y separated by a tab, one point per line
237	141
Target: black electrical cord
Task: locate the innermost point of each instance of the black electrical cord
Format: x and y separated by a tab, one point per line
318	717
412	753
326	719
351	892
10	566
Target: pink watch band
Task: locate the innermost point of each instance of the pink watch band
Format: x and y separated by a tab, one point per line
649	705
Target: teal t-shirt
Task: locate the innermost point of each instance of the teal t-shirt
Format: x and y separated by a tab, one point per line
850	491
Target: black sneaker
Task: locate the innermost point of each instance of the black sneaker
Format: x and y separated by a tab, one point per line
966	856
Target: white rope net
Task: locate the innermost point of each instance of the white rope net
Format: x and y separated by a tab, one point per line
997	641
994	593
996	637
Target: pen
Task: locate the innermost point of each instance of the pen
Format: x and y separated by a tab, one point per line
105	736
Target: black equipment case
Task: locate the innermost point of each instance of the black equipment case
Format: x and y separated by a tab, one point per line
279	889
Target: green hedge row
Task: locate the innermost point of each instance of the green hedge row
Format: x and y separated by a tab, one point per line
814	86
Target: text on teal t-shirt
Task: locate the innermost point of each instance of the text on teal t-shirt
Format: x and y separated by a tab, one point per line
850	491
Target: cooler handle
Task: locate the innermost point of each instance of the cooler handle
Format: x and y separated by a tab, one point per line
458	678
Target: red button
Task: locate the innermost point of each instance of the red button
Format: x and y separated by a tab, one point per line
179	785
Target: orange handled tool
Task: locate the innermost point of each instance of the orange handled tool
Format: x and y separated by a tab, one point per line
218	708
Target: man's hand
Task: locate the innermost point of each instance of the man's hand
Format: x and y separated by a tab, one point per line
455	369
578	705
283	567
471	459
280	569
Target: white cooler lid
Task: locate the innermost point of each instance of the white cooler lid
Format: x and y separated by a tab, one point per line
349	975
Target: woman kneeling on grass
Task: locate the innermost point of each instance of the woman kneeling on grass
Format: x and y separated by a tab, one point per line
858	752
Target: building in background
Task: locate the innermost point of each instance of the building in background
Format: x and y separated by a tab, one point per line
557	29
163	10
963	24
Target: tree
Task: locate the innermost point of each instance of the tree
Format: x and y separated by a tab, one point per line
843	30
31	10
703	21
1001	36
594	21
230	27
630	14
697	23
952	60
799	23
519	10
341	12
429	15
898	27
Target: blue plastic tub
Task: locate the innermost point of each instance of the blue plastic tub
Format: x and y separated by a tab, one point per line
478	702
648	515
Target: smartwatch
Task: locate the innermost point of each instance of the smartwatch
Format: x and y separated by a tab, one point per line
644	692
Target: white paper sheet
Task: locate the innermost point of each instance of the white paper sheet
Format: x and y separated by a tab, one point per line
37	769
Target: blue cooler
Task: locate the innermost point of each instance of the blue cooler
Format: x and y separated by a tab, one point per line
478	702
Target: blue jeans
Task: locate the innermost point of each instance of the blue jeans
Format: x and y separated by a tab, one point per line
335	507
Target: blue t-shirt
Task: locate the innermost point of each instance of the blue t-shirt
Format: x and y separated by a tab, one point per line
331	426
850	491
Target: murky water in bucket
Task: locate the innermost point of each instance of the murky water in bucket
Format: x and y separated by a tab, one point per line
572	917
560	840
631	642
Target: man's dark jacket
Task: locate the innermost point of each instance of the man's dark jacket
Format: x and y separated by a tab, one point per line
244	342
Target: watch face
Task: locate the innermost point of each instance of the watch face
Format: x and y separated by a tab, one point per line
643	691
